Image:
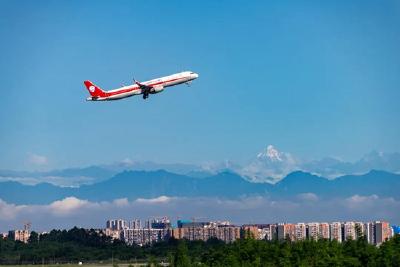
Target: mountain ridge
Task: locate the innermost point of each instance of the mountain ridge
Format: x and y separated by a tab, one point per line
151	184
270	165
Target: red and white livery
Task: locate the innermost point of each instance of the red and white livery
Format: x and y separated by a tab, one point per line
139	88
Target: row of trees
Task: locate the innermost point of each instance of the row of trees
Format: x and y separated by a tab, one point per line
87	245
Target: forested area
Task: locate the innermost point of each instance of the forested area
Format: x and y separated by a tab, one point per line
88	246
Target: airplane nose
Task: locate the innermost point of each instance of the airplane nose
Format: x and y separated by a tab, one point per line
195	75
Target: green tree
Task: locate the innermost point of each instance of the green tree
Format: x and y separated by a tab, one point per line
33	238
181	258
88	245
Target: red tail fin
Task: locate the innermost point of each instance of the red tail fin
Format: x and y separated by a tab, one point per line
94	90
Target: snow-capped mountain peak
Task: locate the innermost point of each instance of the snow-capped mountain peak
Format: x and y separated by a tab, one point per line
270	165
270	153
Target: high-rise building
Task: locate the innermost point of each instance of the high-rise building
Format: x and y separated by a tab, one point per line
336	231
19	235
135	224
349	231
280	231
206	230
301	231
266	232
258	231
369	232
163	223
382	232
324	231
359	229
117	224
251	231
286	230
313	231
114	234
274	231
228	233
145	236
147	224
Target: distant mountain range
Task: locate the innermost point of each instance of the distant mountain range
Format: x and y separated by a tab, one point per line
269	166
151	184
74	177
65	177
272	165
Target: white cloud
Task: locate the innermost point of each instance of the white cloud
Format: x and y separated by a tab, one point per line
73	181
308	196
127	161
121	202
9	211
70	205
22	180
36	159
160	199
358	202
356	199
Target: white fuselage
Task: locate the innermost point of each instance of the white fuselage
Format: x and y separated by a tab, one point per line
157	85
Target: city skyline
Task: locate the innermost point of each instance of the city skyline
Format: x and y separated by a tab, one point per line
304	242
70	212
133	232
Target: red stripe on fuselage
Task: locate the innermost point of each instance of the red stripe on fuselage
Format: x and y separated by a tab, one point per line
136	87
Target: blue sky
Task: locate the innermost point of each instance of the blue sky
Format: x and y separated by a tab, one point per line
315	78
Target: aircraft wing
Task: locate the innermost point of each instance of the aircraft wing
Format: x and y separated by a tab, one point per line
145	88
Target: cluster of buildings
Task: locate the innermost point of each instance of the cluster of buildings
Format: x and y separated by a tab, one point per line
18	235
155	230
375	232
161	229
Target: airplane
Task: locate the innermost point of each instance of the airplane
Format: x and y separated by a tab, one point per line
139	88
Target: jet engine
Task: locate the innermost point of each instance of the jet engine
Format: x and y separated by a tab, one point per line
156	89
